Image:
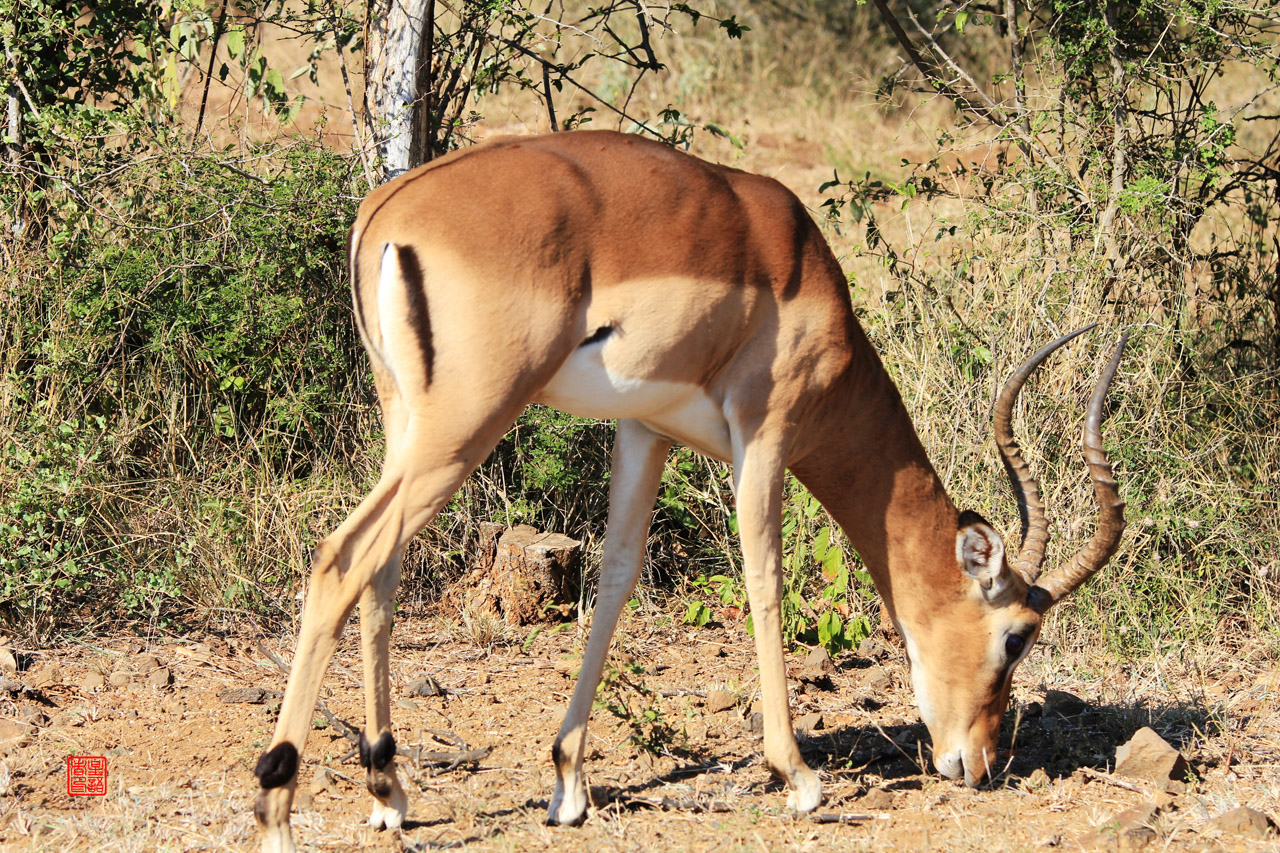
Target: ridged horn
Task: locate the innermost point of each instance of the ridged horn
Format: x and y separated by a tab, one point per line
1086	562
1035	526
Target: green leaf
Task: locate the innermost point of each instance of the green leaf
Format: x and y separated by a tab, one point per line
235	42
962	18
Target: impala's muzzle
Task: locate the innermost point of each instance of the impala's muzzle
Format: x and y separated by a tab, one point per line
973	765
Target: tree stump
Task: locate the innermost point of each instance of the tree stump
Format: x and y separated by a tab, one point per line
536	575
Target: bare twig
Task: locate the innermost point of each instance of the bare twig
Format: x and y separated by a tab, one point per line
1112	780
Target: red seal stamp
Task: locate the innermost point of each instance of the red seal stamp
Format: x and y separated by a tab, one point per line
86	775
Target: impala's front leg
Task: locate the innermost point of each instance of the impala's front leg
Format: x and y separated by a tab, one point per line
638	457
377	746
758	477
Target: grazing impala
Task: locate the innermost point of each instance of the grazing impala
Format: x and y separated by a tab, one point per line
612	277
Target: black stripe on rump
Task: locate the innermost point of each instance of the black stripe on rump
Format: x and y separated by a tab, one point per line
419	318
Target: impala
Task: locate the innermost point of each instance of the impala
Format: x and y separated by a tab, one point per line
613	277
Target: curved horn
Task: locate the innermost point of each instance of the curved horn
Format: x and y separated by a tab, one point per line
1035	527
1106	538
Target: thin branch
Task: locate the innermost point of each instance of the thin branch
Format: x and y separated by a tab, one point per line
218	29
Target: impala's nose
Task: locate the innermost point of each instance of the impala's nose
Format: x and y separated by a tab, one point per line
953	765
950	764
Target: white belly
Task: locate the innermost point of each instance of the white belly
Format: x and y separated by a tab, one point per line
586	387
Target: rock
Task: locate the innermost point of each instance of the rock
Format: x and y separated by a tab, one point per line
872	649
145	663
877	799
1037	781
323	780
1063	704
720	700
246	695
93	681
13	735
1148	757
425	686
819	660
877	680
755	723
1132	828
1243	821
160	677
809	722
49	675
407	704
8	663
119	678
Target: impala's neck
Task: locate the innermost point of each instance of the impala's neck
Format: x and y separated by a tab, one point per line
870	471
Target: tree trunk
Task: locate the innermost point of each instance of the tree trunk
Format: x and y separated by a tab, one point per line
395	54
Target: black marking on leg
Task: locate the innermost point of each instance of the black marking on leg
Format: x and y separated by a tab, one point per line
383	751
598	335
419	316
378	755
555	753
277	766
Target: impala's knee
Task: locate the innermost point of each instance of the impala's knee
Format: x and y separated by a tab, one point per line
277	766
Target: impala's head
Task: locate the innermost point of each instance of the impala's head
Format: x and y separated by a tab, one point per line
964	641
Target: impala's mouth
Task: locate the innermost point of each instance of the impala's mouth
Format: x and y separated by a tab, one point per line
950	764
953	765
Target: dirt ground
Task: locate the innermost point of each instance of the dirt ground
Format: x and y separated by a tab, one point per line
180	749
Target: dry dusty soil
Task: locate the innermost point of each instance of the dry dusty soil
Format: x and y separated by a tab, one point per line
180	749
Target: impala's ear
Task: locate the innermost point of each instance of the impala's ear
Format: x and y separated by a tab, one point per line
980	552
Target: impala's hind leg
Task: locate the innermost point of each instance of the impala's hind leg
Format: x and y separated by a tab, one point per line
638	456
363	553
377	746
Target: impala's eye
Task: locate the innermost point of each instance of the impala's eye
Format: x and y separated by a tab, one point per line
1013	646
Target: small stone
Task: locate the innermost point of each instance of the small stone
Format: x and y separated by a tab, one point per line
145	663
819	660
755	723
323	780
1148	757
160	677
13	734
1037	781
93	681
50	675
809	722
877	680
406	704
119	678
720	700
425	686
872	649
246	695
877	799
1063	704
1244	821
1131	828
